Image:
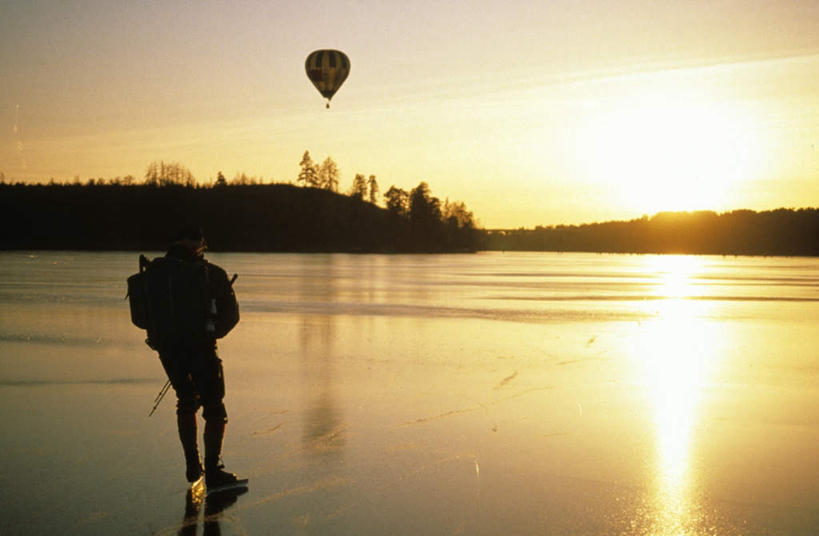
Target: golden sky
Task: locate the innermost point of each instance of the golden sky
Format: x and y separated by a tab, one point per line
533	113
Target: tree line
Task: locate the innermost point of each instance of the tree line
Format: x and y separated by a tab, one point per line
249	214
739	232
239	215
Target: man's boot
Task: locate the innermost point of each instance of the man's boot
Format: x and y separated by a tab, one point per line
186	422
215	475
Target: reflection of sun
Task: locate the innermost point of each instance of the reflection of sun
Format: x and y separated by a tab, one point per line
671	152
675	354
676	274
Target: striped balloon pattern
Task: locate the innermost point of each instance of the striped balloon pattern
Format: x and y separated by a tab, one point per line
327	69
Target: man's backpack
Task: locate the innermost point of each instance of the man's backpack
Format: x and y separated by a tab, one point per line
138	295
170	298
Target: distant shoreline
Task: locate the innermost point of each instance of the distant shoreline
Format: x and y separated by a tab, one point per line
780	232
283	218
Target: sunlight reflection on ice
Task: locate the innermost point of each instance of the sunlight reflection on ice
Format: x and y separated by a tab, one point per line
676	356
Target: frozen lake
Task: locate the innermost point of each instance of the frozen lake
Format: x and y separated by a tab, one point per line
486	394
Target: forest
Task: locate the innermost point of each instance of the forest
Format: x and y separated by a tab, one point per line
241	215
740	232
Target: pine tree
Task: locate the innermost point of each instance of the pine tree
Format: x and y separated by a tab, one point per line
308	175
373	184
359	189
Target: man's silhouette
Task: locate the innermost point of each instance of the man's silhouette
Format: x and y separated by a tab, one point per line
191	304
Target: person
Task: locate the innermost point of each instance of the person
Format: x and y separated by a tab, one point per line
192	303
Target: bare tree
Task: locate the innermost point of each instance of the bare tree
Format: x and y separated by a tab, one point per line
457	213
172	173
397	200
328	175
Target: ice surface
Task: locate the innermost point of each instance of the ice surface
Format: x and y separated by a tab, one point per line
463	394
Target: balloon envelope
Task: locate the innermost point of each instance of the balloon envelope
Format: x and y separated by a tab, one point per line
327	69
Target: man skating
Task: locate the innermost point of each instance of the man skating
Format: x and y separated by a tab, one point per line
190	304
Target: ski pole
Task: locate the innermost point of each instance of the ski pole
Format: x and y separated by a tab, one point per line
160	396
162	391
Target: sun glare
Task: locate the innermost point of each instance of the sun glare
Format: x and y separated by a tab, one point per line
675	274
671	152
675	356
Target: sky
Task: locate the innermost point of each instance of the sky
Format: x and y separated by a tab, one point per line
532	113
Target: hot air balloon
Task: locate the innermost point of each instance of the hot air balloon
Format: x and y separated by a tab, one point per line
327	69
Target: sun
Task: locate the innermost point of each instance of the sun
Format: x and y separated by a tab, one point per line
670	151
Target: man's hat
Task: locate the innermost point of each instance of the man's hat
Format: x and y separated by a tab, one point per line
189	231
